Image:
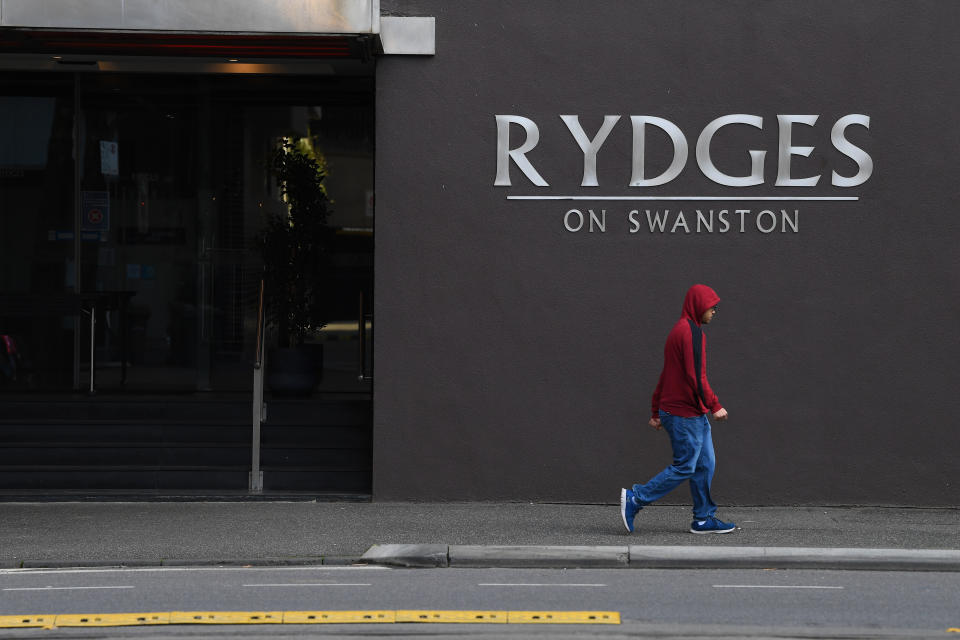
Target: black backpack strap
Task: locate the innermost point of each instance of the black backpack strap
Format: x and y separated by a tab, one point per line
697	335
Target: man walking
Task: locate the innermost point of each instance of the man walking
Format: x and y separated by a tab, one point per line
680	405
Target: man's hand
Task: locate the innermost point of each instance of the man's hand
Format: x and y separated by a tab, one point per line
720	415
655	423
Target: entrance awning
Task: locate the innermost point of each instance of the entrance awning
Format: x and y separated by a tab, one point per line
253	28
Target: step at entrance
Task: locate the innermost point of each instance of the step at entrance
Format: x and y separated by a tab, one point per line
158	446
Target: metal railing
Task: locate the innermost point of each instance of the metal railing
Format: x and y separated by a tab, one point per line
364	375
259	406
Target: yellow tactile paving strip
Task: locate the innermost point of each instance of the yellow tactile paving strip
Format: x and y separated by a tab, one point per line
14	622
564	617
452	616
49	621
224	617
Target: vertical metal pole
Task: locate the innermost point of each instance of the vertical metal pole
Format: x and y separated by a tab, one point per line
93	341
77	159
206	221
259	364
362	335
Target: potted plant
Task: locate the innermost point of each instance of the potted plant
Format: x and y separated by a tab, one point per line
295	246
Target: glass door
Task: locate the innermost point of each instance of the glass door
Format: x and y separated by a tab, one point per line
38	318
146	214
333	123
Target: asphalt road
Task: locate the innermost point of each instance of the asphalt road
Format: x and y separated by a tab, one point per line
665	603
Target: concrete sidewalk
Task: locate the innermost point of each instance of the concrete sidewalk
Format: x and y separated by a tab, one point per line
490	534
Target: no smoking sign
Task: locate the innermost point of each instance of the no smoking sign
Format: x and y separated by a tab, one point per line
95	211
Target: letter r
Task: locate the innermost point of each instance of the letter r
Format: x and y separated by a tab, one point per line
518	155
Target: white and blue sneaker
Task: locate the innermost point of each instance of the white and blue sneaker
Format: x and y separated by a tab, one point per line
711	525
628	508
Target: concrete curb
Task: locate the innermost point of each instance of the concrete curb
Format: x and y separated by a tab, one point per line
181	562
794	558
663	557
408	555
555	557
85	564
242	562
530	556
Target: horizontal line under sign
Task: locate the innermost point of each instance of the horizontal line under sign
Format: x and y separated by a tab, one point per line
697	198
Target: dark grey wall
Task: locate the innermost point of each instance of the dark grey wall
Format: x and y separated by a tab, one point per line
516	360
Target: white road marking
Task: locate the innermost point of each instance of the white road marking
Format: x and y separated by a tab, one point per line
63	588
538	584
313	584
770	586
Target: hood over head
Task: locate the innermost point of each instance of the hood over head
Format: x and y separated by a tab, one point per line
699	298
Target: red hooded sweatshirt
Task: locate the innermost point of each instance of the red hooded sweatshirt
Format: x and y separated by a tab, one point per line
677	391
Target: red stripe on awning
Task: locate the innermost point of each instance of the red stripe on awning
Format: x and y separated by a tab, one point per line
177	44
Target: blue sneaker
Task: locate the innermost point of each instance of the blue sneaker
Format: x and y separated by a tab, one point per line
628	508
711	525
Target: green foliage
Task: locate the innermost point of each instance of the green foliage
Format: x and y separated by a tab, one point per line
295	245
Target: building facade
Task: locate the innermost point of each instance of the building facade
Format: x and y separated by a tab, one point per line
546	180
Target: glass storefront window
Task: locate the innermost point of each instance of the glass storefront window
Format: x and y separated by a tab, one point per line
37	323
142	196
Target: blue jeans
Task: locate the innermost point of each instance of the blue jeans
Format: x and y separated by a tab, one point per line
693	460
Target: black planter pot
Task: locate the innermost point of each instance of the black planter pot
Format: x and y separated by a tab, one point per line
294	371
